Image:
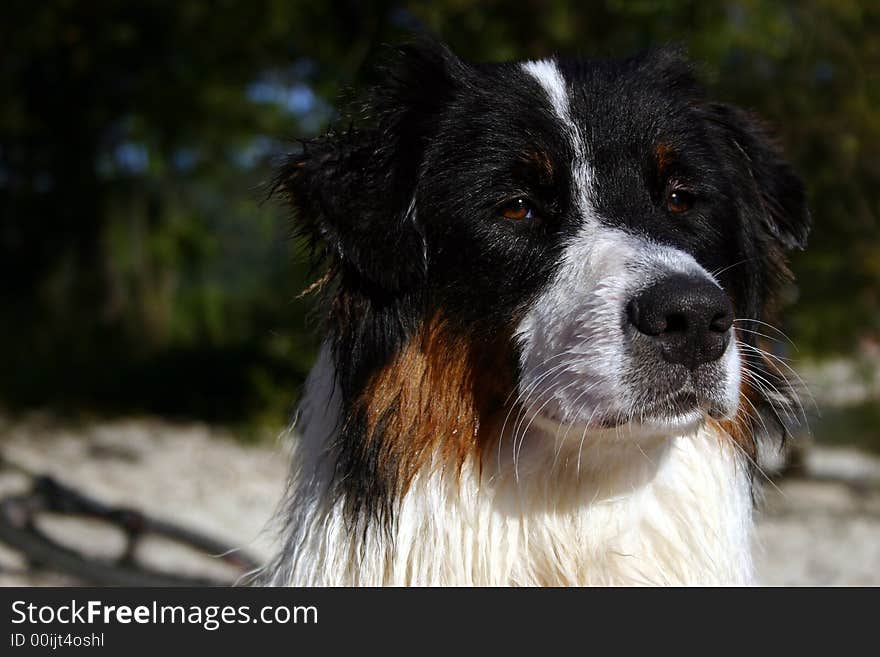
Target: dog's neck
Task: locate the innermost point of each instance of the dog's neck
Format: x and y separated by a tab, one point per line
551	510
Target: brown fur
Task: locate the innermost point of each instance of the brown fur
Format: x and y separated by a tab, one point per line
662	156
440	395
543	164
741	429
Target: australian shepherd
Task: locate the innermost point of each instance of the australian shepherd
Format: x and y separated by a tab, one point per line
545	286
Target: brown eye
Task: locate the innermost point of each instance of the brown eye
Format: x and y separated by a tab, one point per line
518	209
679	200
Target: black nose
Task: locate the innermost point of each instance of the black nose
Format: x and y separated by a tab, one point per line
687	316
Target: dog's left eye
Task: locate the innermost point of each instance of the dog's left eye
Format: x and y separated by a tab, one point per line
679	200
517	209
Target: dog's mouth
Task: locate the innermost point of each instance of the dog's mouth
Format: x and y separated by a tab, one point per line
681	403
679	412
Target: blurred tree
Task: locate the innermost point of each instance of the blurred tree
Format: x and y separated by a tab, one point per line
133	138
137	266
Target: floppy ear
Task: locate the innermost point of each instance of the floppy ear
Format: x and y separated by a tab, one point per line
780	191
354	190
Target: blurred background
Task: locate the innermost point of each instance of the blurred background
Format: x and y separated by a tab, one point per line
152	341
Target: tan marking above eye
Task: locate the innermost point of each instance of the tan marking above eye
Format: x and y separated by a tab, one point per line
541	160
663	155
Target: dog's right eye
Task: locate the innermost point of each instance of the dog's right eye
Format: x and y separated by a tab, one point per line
518	209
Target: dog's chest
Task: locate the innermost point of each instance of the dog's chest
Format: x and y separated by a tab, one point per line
689	525
682	517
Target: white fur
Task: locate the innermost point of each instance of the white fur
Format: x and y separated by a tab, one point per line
658	510
548	76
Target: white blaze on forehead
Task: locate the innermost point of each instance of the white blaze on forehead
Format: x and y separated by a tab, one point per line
548	75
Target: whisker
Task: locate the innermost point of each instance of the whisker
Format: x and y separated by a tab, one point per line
583	438
770	326
754	464
778	412
802	385
785	400
528	402
524	432
715	274
536	367
523	395
580	396
758	333
569	425
757	415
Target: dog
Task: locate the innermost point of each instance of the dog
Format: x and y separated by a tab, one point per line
545	287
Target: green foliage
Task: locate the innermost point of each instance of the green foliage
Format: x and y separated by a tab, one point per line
140	268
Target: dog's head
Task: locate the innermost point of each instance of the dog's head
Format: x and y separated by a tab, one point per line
598	237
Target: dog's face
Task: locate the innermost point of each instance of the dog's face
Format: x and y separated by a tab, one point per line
605	216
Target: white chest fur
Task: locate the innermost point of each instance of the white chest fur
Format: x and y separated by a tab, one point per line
674	510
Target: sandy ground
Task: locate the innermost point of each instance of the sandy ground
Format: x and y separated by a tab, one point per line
820	530
191	474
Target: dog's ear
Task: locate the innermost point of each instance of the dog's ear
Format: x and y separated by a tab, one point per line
783	202
354	190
